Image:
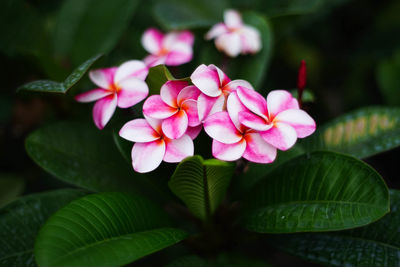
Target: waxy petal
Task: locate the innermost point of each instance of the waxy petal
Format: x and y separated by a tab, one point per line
152	40
133	90
180	54
209	105
190	108
186	37
207	80
229	43
257	150
132	68
303	124
170	90
280	100
154	123
156	108
233	85
154	60
178	149
216	30
251	40
220	127
138	130
103	110
253	101
175	126
193	132
253	121
189	92
92	95
147	156
223	78
103	78
282	136
233	19
228	152
234	107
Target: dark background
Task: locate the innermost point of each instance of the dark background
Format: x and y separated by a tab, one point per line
352	50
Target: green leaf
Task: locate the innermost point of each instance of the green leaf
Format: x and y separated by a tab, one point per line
21	220
188	14
107	229
388	78
157	76
47	86
88	27
201	184
254	172
233	259
308	95
252	68
361	133
79	154
320	191
377	244
11	186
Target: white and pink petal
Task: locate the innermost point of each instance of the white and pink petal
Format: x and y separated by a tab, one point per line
138	130
216	30
253	121
103	78
170	90
132	91
282	136
229	43
207	80
253	101
190	108
220	127
209	105
258	150
92	95
175	126
103	110
303	124
228	152
146	157
152	40
280	100
131	68
233	19
178	149
156	108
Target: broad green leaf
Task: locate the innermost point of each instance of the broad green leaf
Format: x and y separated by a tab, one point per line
88	27
188	14
21	220
11	186
252	68
319	191
387	75
79	154
377	244
254	172
107	229
201	184
361	133
47	86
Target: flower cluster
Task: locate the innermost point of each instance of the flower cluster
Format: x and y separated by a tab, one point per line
241	122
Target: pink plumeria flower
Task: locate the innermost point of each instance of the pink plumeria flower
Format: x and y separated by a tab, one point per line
171	49
121	86
233	37
152	146
215	87
232	140
176	106
278	118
